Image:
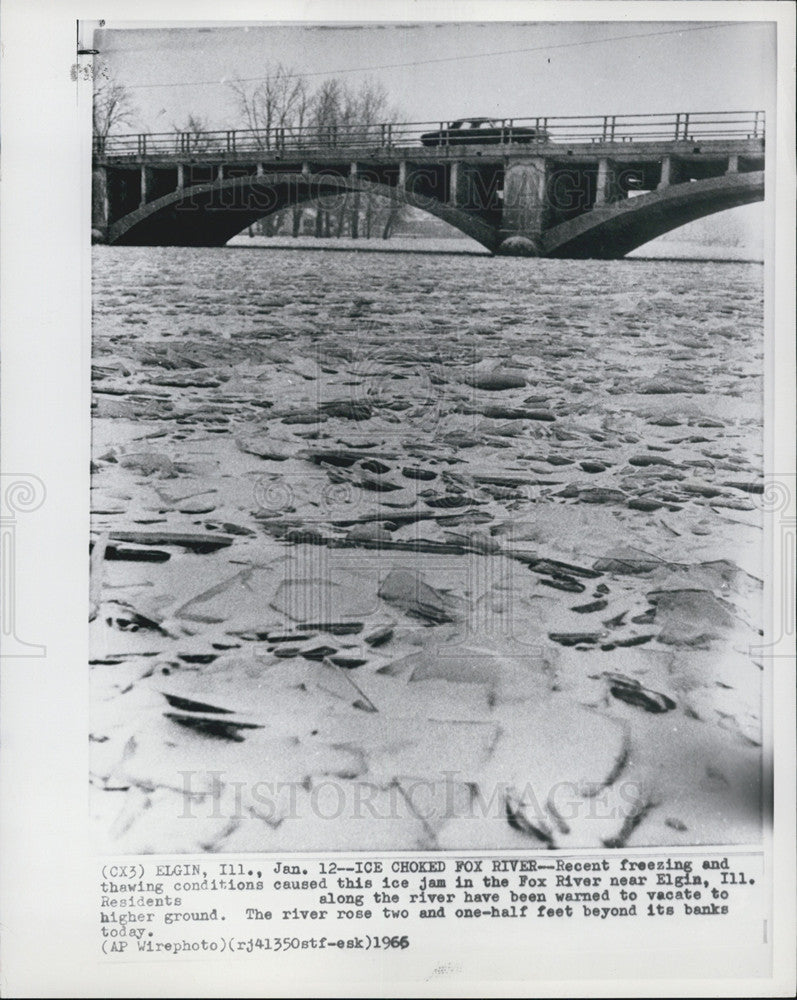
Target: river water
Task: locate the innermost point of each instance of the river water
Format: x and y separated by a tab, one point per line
362	521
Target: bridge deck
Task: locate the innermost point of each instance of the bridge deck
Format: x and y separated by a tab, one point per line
688	127
642	152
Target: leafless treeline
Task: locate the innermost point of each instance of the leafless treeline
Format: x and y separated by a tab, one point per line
274	107
283	102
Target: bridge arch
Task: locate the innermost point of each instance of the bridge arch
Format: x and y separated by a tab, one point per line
210	214
611	231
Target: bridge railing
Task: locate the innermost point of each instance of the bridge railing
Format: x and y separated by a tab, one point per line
598	129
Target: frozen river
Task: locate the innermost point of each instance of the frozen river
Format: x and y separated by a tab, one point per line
371	519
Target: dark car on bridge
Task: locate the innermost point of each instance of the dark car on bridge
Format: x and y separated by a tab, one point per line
480	131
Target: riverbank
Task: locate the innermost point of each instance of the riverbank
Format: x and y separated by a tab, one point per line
655	250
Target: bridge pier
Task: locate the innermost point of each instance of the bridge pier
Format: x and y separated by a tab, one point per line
354	218
100	212
145	179
670	172
464	189
525	207
476	189
453	183
606	184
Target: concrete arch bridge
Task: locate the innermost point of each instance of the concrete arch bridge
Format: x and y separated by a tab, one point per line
585	187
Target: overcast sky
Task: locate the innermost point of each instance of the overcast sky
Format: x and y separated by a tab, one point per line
456	69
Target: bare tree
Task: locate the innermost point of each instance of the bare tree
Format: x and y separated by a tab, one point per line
112	108
345	116
192	135
282	112
395	214
372	112
327	112
276	106
370	108
276	110
301	111
342	115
